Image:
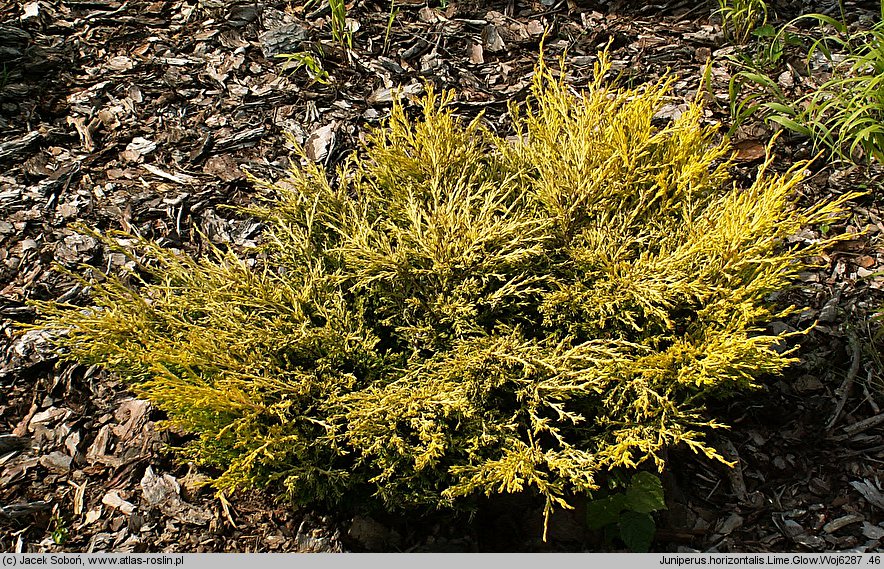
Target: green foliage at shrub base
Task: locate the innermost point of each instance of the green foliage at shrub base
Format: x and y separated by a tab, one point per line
627	514
462	314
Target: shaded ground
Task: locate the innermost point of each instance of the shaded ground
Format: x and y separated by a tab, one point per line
142	116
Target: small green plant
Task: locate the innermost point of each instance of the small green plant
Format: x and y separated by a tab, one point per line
341	32
769	47
751	88
744	103
391	17
627	514
310	63
462	314
845	113
766	53
58	529
739	18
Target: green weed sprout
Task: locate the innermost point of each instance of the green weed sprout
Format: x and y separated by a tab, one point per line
309	62
739	18
341	32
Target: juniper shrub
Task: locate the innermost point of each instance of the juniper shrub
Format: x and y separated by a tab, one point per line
463	314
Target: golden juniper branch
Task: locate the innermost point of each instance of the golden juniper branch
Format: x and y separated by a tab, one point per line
462	314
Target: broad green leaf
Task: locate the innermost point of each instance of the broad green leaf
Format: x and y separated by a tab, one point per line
637	531
645	493
605	511
765	31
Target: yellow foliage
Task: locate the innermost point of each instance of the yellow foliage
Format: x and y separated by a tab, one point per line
461	314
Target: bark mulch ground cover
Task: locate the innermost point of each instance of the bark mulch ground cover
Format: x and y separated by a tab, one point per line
146	115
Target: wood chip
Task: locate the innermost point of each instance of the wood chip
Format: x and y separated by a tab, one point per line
491	39
10	443
869	492
872	532
159	489
842	522
10	147
180	178
113	500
